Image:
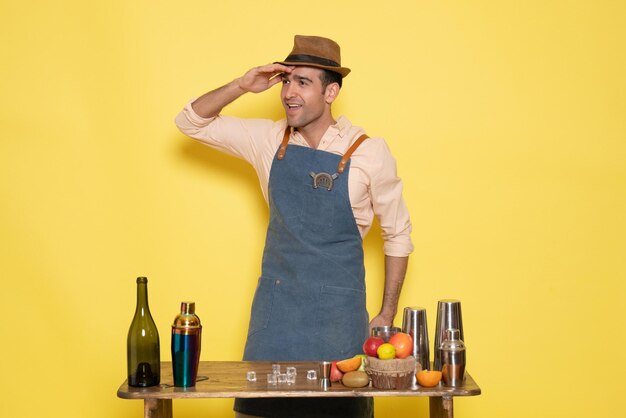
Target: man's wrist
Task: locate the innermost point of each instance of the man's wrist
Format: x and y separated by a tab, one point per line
237	87
387	315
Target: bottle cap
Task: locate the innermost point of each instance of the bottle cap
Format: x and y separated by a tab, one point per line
453	334
142	280
188	308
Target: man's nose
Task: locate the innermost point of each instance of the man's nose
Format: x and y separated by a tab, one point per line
289	91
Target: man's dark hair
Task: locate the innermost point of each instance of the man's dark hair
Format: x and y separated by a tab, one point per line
329	77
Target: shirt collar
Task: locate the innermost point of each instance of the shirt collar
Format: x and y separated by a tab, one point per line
341	127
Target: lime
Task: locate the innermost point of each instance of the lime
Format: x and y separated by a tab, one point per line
386	351
363	360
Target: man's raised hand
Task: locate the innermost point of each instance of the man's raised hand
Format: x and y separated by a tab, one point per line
259	79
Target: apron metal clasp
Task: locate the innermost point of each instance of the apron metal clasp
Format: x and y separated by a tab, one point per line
323	180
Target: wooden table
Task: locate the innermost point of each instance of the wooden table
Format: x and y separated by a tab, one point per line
227	379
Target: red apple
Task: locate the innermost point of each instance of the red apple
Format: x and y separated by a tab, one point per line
371	345
335	373
403	344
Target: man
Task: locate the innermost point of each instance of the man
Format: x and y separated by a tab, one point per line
323	180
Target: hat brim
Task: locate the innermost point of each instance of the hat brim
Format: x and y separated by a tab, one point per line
343	71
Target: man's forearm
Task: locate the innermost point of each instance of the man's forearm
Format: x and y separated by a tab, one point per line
256	80
211	104
395	271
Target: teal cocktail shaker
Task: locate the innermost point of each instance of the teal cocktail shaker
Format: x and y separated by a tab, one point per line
186	339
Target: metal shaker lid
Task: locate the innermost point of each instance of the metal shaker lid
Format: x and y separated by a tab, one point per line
187	317
188	308
452	341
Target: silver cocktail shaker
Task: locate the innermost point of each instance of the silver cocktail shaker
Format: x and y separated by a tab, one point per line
448	317
453	359
414	323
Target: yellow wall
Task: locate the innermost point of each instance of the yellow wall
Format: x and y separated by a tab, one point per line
508	122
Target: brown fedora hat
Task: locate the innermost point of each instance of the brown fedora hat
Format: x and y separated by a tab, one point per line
315	51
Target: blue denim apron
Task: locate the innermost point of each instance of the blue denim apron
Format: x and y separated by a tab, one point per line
310	300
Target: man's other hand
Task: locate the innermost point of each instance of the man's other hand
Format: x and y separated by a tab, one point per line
380	321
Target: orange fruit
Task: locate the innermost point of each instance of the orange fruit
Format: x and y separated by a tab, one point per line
386	351
428	378
403	343
350	364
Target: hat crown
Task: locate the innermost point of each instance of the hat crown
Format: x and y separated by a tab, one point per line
316	51
317	46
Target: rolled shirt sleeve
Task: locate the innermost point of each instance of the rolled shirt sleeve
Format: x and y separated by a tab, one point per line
234	136
389	205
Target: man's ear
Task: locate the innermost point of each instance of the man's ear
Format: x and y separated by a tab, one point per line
331	93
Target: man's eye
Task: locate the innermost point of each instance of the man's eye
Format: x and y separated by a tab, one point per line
285	81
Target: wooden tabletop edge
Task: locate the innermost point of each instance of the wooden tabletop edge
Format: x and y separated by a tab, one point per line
149	394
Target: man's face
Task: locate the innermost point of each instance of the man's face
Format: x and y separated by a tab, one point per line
305	100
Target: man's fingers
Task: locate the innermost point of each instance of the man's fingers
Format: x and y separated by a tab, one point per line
263	77
275	69
274	80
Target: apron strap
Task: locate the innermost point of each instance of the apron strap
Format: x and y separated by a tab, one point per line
344	159
283	145
346	156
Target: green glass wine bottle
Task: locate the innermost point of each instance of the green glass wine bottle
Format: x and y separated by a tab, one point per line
143	351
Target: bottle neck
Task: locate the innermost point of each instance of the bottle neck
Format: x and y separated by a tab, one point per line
142	299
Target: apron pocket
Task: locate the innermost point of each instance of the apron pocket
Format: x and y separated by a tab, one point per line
318	209
342	321
261	305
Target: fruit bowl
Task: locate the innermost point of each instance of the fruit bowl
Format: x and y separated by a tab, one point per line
390	374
